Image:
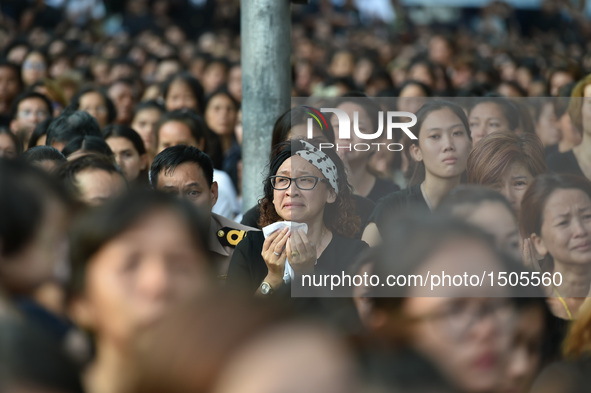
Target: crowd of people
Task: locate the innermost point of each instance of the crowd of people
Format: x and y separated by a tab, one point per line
128	263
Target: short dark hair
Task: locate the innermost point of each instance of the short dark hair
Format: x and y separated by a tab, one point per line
189	118
70	124
111	110
67	173
98	226
171	157
150	104
23	202
123	131
43	153
88	143
25	96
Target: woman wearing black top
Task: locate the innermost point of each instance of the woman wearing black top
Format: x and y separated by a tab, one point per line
441	150
305	185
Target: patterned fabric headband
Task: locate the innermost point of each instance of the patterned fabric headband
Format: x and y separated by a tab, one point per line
320	160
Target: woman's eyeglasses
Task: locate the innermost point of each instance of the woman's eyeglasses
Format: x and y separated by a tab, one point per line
462	314
302	182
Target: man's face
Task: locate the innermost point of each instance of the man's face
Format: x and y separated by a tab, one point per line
30	112
188	181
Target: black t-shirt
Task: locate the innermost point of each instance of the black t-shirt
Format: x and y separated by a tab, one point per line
363	208
564	163
382	188
388	206
248	269
549	150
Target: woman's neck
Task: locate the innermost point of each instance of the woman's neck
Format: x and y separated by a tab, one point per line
576	279
565	145
360	178
317	234
436	188
583	154
110	372
226	142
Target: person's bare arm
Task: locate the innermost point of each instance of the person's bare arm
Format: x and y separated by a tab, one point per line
371	235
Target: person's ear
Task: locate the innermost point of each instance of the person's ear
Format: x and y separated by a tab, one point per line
415	152
539	245
213	197
201	144
332	196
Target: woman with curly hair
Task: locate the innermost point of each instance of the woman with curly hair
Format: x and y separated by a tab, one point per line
306	220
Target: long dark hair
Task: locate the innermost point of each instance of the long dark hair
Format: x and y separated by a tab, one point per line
418	173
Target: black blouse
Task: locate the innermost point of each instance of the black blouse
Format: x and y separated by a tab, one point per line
564	163
411	197
248	269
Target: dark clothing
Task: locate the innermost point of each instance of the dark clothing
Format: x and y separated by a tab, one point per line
564	163
248	268
363	208
404	199
567	376
56	326
382	188
550	150
230	163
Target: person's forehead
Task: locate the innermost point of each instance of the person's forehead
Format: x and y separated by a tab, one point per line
177	128
32	102
487	108
7	70
91	96
297	164
186	172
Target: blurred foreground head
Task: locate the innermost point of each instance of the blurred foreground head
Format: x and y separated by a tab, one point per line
134	258
33	363
33	221
464	330
226	344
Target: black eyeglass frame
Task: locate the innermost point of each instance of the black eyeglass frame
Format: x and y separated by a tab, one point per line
296	179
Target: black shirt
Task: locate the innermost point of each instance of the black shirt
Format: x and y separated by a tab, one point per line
386	207
382	188
564	163
248	269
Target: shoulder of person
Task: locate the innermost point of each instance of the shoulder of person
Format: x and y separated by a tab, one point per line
348	244
230	233
398	197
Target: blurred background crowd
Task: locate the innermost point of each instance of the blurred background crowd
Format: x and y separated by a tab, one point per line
110	283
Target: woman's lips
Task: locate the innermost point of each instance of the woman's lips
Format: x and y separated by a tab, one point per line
292	205
485	361
583	246
450	160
